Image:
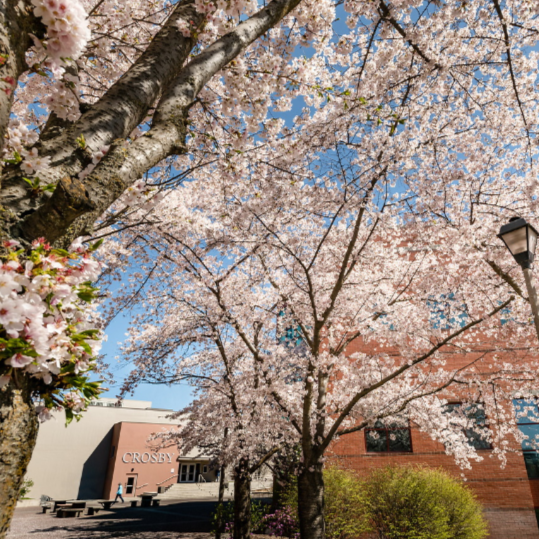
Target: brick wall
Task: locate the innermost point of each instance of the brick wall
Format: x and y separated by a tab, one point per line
507	495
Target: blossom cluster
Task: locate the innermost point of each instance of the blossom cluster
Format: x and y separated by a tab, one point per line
282	523
67	27
33	162
46	326
140	193
19	137
62	99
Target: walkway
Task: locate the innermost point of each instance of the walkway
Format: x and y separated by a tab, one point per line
172	520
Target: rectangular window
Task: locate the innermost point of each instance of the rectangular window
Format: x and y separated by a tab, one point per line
527	415
204	469
391	438
475	421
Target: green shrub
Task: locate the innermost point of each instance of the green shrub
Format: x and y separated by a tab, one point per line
27	484
408	502
397	502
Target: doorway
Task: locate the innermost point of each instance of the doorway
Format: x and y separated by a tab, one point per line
131	485
187	473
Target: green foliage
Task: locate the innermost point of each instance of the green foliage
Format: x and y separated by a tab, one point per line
26	485
405	502
345	504
36	187
397	502
226	511
258	511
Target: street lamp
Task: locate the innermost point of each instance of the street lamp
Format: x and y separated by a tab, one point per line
521	239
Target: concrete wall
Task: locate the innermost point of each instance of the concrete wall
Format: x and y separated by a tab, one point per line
71	462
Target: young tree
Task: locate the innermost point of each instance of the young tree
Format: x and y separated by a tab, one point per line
229	419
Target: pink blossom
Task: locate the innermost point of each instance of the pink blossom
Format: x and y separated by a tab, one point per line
18	361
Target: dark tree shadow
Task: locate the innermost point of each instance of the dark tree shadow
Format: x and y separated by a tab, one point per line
94	471
187	520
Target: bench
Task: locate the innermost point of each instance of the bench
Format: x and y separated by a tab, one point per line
66	512
155	503
57	503
93	511
146	499
45	502
134	503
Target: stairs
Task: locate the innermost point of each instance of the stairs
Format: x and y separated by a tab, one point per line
210	491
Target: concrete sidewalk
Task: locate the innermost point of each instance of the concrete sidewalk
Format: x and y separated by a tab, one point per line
178	520
174	519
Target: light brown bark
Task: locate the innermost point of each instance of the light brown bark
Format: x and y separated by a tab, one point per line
18	434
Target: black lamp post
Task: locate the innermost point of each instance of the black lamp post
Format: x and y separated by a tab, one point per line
521	239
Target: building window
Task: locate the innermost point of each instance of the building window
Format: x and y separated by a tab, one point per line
527	414
391	438
204	469
475	419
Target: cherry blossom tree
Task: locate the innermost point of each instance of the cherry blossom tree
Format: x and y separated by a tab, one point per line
94	94
423	118
229	419
333	288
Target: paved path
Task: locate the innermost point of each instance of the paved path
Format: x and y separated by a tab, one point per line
178	520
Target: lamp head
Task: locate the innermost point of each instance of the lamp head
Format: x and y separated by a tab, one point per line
521	239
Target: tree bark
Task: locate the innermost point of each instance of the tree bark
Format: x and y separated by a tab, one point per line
124	164
311	502
220	506
16	22
18	433
242	501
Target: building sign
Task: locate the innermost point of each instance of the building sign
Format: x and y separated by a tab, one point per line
143	458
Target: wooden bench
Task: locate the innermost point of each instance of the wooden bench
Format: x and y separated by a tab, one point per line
134	503
67	512
155	503
93	511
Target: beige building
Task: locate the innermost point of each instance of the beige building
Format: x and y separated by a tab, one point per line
72	461
111	445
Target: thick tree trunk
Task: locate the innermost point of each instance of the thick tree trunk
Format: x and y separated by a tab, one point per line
311	503
220	506
242	501
18	433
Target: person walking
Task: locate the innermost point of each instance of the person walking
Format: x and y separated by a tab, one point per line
119	493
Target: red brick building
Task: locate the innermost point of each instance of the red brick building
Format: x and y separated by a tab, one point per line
510	495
